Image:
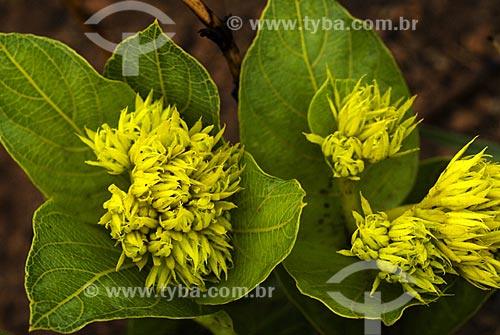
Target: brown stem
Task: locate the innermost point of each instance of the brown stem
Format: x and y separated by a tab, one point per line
217	31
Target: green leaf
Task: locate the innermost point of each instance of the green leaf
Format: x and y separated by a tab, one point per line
219	323
315	266
282	71
428	173
71	277
446	315
41	116
49	95
167	70
321	318
457	141
156	326
270	315
280	75
265	227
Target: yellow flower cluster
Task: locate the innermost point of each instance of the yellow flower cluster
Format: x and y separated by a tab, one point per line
370	128
175	211
455	229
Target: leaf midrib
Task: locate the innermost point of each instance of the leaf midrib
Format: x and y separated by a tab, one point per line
305	56
77	293
40	91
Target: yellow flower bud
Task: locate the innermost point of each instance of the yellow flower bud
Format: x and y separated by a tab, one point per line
455	229
175	214
370	128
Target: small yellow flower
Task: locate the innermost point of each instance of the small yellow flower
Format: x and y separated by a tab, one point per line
344	153
403	251
175	214
466	202
455	229
370	128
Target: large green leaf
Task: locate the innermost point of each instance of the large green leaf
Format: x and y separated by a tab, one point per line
49	95
281	73
269	315
265	227
457	141
71	277
428	173
284	68
167	70
314	269
157	326
321	318
219	323
71	266
446	315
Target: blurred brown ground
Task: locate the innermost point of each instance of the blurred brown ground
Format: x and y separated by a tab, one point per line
447	61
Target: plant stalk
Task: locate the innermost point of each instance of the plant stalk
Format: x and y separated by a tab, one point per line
350	201
394	213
